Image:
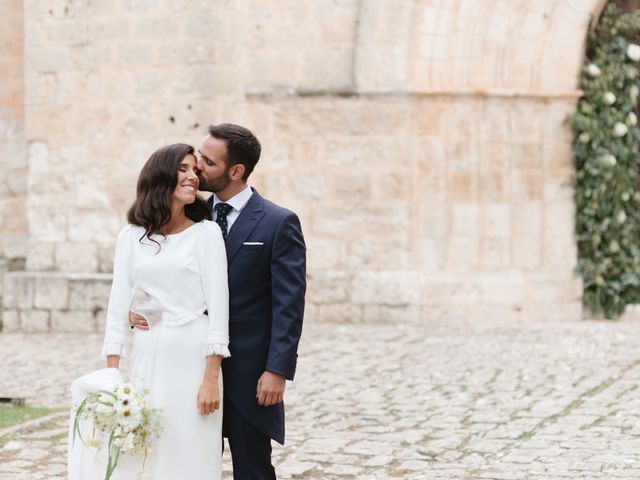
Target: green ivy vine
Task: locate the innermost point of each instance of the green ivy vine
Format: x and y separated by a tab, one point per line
607	160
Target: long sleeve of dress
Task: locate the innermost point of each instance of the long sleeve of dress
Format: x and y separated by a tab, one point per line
212	257
120	298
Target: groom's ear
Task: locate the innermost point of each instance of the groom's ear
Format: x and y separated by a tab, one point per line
237	171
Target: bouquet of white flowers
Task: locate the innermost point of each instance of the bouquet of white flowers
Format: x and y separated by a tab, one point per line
120	418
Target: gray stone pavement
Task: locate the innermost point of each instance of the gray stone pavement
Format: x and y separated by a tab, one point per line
542	401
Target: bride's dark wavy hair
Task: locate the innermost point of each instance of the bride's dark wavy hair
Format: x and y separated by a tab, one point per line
158	179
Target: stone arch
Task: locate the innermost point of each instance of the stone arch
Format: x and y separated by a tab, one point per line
493	47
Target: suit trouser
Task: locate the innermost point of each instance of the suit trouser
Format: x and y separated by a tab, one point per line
250	448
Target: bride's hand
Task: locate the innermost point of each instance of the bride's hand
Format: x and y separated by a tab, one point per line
138	321
208	398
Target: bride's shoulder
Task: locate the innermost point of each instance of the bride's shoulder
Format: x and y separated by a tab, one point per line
129	229
209	227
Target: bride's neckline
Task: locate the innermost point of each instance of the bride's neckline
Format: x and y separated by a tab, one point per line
180	232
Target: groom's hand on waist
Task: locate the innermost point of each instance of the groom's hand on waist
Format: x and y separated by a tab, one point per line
270	389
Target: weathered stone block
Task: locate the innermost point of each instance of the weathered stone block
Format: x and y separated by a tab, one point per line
445	314
462	187
307	185
463	253
4	266
325	254
18	291
464	219
544	288
552	311
40	255
496	220
45	226
431	254
559	252
443	290
433	215
91	295
329	68
34	321
101	321
10	321
328	286
378	254
502	288
526	185
339	313
385	288
94	227
15	245
70	33
401	315
77	321
48	60
76	257
527	218
51	293
132	54
526	251
495	253
105	257
493	186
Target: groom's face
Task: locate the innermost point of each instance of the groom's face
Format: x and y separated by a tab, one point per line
212	165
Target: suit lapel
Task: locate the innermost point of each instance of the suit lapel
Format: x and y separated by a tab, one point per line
246	222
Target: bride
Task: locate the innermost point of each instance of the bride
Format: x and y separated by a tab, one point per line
170	262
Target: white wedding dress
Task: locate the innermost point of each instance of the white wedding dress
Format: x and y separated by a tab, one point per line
173	283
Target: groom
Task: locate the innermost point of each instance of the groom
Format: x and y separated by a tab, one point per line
266	254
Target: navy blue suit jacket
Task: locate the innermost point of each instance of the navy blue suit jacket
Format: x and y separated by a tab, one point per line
267	283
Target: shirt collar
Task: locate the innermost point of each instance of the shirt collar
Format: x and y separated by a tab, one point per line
238	201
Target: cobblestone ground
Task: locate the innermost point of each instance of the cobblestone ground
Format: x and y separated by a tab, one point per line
540	401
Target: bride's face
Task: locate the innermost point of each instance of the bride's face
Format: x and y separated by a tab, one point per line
188	183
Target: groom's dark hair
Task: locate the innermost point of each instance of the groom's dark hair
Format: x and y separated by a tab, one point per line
242	145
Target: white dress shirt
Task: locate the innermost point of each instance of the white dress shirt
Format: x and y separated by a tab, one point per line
238	202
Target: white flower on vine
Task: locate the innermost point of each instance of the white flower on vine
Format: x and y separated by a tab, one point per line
634	91
609	98
614	247
584	137
632	119
633	52
609	159
632	73
593	70
621	217
625	196
620	129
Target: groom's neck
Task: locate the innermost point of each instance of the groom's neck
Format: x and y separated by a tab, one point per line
231	190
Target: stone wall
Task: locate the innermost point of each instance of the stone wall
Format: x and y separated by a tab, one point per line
429	208
423	144
13	174
13	161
